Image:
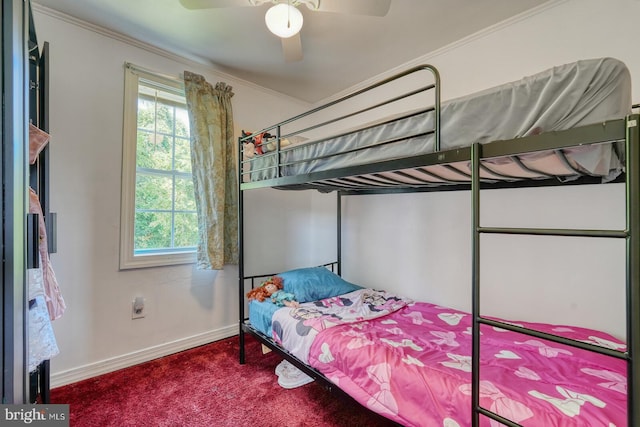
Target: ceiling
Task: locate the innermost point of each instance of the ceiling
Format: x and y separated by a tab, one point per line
340	50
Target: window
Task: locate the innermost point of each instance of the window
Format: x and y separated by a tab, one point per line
158	218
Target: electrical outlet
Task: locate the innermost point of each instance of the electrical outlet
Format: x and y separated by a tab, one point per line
137	308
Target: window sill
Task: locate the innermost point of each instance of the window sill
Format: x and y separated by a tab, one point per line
156	260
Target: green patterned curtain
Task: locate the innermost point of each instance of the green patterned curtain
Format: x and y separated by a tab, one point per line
214	171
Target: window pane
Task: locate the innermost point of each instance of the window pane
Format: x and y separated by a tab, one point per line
164	119
154	151
183	155
182	122
186	226
152	230
153	192
146	114
185	200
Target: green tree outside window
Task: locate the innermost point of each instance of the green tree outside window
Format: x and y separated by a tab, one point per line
165	211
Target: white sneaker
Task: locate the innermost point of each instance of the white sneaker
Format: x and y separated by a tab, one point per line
292	377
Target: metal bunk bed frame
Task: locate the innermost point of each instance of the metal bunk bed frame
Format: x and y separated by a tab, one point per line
621	130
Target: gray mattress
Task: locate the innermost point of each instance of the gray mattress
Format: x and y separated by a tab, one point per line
563	97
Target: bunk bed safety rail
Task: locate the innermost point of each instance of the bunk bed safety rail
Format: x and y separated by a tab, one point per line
395	147
272	155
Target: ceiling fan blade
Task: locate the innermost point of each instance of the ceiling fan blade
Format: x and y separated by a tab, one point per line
356	7
211	4
292	48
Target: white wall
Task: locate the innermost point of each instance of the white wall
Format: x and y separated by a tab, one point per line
420	246
572	281
185	307
278	229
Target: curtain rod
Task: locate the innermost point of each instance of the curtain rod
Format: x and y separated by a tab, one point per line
172	80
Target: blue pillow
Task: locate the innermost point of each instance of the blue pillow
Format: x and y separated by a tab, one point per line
315	283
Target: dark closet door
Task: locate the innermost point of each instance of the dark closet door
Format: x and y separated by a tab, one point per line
13	64
39	182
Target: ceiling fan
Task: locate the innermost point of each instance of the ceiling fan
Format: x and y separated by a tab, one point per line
285	20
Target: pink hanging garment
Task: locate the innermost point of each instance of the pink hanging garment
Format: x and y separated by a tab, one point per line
38	139
53	296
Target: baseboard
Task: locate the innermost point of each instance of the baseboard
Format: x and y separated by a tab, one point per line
130	359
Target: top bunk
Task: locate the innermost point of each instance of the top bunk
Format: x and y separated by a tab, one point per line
567	124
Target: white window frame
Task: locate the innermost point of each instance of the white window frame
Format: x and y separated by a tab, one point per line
128	258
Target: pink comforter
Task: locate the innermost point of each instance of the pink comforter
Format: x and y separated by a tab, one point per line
414	367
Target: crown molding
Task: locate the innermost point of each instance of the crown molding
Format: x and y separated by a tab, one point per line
188	60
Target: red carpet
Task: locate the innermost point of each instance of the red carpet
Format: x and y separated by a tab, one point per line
206	386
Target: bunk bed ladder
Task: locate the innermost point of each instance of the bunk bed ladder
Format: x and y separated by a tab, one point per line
631	234
632	196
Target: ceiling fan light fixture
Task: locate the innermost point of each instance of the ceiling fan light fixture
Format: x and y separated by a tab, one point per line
283	20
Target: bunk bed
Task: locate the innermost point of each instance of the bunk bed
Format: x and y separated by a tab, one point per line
568	125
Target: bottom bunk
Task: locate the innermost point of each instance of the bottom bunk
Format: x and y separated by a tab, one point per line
411	361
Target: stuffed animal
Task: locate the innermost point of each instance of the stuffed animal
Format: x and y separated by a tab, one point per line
245	134
248	151
261	143
272	144
273	289
248	146
259	140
